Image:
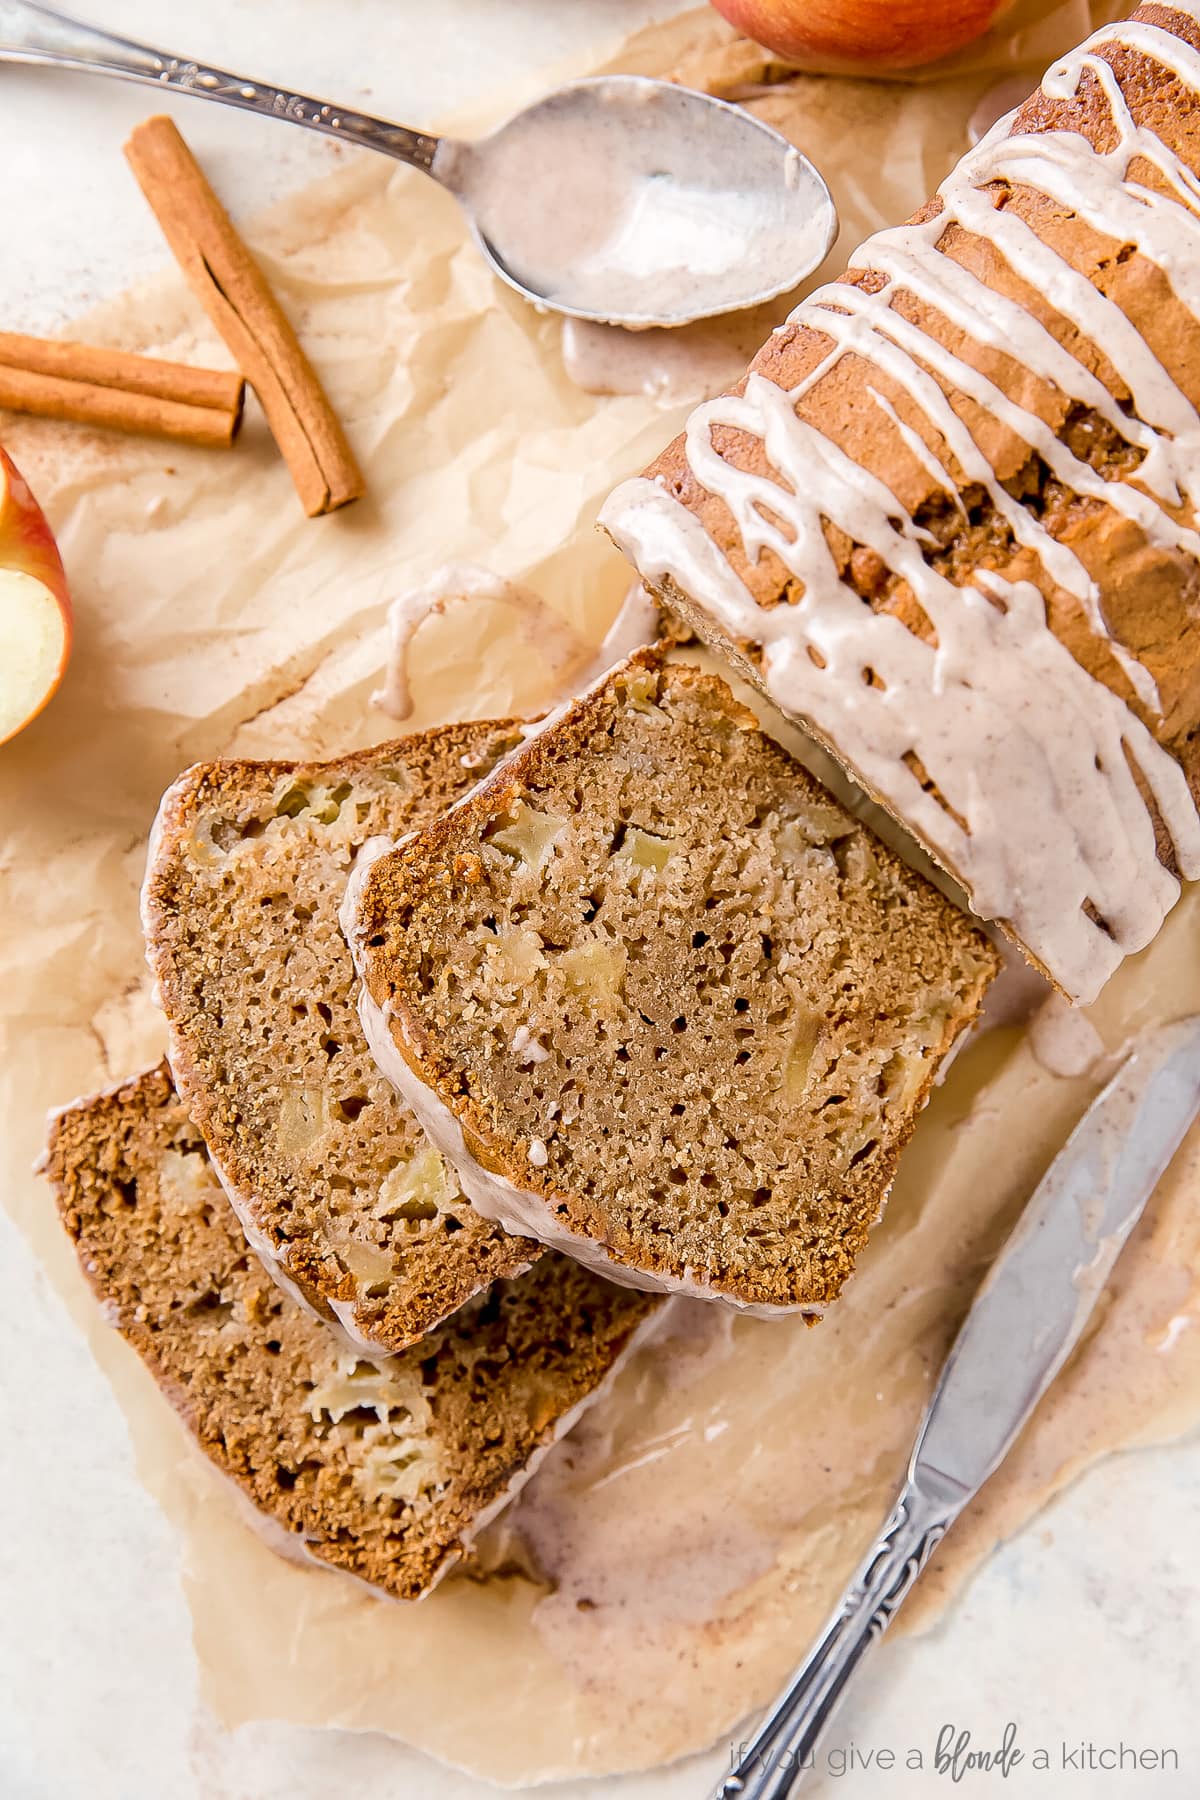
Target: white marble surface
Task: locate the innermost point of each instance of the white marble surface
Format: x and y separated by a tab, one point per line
1085	1627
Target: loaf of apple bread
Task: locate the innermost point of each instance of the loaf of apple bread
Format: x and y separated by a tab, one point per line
948	520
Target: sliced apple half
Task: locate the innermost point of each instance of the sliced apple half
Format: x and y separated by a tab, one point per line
35	606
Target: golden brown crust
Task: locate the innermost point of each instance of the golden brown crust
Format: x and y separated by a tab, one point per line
699	1152
1150	594
258	989
262	1385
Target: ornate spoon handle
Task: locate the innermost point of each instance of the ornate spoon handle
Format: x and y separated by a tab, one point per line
786	1741
35	34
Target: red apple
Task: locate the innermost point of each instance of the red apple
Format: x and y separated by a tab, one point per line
867	34
35	607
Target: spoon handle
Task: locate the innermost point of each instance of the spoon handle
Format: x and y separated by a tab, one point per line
35	34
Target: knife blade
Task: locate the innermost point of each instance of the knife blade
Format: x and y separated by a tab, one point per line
1035	1301
1023	1324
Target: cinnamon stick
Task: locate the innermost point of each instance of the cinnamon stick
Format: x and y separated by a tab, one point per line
239	301
97	386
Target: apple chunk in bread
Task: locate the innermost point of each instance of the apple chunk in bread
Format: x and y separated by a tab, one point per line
35	607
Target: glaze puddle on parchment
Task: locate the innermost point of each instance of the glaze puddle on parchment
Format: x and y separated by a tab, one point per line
690	362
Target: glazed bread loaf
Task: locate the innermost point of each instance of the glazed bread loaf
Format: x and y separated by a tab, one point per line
335	1183
664	1004
381	1466
948	519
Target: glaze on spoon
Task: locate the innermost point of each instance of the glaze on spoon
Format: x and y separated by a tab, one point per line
621	199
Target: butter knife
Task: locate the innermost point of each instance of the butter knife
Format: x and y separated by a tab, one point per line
1024	1323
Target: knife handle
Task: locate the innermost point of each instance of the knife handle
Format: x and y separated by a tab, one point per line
786	1742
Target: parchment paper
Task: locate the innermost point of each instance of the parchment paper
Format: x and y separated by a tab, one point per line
212	618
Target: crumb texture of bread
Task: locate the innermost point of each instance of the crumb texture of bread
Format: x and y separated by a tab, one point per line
332	1176
983	434
376	1465
672	990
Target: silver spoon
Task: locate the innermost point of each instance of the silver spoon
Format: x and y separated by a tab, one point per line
620	199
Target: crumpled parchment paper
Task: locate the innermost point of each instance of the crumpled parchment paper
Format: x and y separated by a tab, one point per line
212	618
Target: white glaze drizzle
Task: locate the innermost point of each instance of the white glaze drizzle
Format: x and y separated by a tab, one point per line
553	639
932	463
1023	744
456	583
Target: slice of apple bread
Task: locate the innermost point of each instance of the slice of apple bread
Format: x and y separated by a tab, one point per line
662	1001
337	1187
379	1465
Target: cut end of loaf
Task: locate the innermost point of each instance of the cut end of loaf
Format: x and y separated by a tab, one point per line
672	993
